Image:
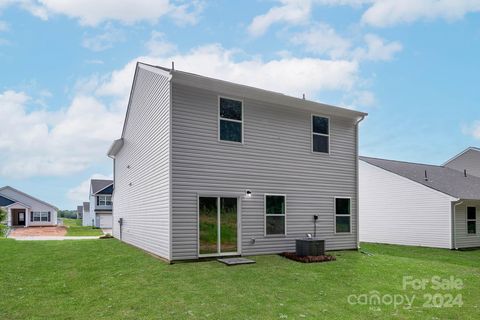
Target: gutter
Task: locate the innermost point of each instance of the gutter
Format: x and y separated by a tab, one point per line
454	213
357	167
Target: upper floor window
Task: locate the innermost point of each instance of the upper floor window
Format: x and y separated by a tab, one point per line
471	220
104	200
230	120
320	134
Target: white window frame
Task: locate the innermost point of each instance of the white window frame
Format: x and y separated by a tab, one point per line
319	134
242	122
40	215
341	215
472	220
265	215
105	197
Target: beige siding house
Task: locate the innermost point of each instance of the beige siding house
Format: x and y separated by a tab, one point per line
418	204
206	167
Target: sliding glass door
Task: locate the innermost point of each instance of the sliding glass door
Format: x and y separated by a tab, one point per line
218	218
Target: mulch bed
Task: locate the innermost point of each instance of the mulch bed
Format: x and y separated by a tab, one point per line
308	259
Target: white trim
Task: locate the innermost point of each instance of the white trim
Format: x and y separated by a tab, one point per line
341	215
29	196
274	215
470	220
111	184
242	122
105	196
219	253
320	134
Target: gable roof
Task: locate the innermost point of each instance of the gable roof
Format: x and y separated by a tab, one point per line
98	185
86	206
442	179
461	154
27	195
240	90
80	209
5	201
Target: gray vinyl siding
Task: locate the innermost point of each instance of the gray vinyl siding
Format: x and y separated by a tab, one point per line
142	192
276	158
462	238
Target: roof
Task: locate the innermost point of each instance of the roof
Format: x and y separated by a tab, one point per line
236	89
5	201
440	178
29	196
86	206
461	154
80	209
98	185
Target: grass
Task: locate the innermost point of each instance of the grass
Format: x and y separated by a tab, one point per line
75	228
106	279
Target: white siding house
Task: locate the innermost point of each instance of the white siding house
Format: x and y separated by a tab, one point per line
25	210
206	167
417	204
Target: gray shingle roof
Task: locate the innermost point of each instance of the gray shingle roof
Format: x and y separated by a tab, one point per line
80	209
86	206
98	185
445	180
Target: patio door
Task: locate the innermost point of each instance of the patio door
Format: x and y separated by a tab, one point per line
218	226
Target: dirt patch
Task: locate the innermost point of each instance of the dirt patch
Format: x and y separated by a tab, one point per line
308	259
38	231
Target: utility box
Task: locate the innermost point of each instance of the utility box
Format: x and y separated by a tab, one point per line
310	247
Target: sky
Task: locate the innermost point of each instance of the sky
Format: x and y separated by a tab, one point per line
66	69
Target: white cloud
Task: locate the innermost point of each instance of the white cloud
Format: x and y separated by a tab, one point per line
80	193
473	129
93	12
53	143
290	11
377	49
391	12
322	39
104	40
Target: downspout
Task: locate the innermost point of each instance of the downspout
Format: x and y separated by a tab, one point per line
357	206
454	243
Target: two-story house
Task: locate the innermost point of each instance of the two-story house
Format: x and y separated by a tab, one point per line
98	212
206	167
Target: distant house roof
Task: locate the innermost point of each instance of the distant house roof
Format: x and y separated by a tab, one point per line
99	185
445	180
462	153
5	201
80	209
27	195
86	206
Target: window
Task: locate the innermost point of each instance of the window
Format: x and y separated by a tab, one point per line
275	214
40	216
343	215
320	134
104	200
471	220
230	120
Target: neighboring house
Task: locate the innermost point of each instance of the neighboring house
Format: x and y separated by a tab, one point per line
86	209
26	211
79	212
468	160
206	167
99	212
418	204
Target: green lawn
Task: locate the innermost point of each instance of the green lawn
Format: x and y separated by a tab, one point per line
75	229
106	279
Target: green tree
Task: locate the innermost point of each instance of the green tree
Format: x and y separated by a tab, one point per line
3	218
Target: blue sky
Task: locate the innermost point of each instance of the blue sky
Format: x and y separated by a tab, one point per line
66	71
